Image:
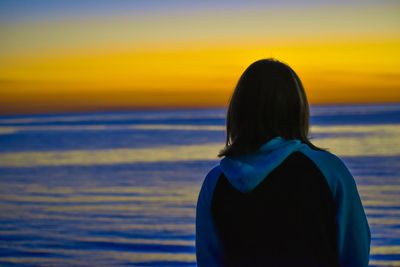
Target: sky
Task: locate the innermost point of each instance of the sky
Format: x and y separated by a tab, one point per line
58	56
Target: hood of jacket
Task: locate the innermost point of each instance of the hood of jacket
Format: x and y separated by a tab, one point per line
245	172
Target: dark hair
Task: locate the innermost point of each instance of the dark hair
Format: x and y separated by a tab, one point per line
269	101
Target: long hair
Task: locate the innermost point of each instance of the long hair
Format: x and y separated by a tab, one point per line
269	101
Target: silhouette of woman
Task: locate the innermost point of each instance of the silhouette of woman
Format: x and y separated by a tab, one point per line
275	199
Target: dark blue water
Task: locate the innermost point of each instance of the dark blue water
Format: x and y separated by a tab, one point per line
120	188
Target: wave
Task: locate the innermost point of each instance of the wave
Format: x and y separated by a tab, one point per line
385	144
365	129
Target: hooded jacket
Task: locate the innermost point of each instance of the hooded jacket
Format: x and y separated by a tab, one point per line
284	205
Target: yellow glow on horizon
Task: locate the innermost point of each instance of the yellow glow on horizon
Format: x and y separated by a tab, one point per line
381	141
80	68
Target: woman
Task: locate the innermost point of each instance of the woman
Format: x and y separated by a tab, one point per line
275	199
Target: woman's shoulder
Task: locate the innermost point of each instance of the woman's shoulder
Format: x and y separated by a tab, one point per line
210	182
326	159
331	166
214	172
212	176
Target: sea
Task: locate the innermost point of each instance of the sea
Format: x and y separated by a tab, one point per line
120	188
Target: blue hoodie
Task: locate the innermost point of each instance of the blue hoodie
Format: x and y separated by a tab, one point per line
245	172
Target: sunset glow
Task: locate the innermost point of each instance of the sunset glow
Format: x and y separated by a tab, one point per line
72	56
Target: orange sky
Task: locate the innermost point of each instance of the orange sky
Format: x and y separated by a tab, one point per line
347	53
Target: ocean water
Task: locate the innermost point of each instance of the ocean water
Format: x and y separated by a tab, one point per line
120	188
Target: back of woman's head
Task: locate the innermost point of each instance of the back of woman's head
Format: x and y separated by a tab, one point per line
269	101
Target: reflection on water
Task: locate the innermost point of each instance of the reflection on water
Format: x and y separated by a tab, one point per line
391	129
378	180
127	196
114	216
342	140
